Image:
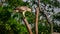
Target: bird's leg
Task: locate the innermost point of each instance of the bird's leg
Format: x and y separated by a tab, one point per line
23	13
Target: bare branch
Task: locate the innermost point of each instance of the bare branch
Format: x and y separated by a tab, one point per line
27	25
36	23
48	20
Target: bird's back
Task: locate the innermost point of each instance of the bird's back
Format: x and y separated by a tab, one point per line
23	8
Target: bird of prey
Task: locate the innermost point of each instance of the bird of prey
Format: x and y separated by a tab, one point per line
22	9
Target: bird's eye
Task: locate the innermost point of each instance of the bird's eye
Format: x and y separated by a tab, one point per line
17	10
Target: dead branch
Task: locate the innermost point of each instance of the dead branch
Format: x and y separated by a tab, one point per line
27	25
36	23
48	20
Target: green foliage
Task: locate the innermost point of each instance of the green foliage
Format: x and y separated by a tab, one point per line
14	3
8	24
4	14
30	17
17	27
43	28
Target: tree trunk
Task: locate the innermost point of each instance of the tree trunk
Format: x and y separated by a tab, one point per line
27	25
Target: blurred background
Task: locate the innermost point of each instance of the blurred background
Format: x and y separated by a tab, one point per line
12	22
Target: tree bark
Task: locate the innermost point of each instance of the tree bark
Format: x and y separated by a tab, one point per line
36	23
27	25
